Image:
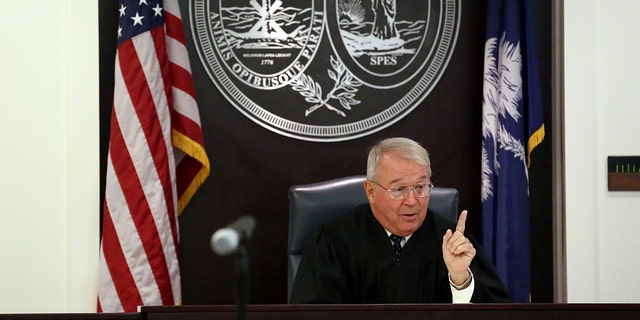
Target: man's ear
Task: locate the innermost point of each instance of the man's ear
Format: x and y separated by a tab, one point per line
368	189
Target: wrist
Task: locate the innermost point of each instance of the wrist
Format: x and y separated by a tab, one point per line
465	284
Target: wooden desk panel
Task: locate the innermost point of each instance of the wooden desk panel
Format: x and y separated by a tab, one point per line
364	312
401	312
73	316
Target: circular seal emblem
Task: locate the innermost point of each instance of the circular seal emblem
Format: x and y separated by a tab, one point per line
325	70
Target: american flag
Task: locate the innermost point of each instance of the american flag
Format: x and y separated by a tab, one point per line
156	159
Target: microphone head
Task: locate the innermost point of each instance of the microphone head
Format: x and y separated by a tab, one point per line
244	226
225	241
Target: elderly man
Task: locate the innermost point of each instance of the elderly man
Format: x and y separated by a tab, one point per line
395	250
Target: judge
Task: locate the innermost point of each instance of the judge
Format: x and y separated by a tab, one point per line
393	249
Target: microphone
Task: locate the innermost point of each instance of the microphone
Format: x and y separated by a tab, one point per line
227	240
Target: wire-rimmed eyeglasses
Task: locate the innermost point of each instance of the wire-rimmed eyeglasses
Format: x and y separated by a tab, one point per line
400	192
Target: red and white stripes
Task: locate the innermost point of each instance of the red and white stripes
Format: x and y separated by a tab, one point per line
156	162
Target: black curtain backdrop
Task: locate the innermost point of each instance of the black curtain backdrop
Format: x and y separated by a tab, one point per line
252	167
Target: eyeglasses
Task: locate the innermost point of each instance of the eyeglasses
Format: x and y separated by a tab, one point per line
421	190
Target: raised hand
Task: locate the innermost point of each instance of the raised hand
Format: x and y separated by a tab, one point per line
457	251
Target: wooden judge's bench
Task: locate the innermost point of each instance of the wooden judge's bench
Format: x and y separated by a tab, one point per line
364	312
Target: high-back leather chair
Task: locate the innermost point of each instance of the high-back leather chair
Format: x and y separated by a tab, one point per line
311	205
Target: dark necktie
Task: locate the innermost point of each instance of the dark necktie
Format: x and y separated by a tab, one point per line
397	246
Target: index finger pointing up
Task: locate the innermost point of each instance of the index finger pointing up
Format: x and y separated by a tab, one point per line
462	221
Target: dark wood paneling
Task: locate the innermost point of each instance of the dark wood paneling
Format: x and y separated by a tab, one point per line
252	168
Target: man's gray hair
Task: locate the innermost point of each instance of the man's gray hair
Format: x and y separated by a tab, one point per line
403	147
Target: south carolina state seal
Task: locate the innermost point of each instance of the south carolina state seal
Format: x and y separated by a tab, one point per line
325	70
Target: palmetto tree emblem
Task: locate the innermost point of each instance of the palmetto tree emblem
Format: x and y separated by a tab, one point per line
502	96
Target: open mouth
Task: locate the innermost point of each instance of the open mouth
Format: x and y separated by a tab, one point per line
410	215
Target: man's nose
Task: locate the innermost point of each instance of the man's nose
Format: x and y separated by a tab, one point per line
411	197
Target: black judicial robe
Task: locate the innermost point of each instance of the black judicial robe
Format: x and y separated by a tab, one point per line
351	260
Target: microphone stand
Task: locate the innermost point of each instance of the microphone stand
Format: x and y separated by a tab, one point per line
233	239
242	281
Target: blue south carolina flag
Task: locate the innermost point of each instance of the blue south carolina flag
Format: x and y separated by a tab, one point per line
512	126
